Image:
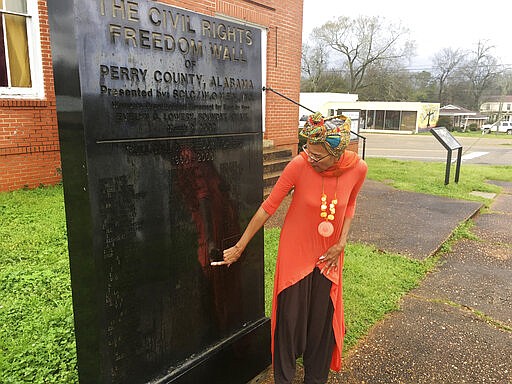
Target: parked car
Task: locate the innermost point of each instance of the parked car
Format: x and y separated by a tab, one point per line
502	126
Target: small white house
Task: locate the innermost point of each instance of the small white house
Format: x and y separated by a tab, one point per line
462	117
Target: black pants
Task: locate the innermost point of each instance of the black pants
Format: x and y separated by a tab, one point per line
304	328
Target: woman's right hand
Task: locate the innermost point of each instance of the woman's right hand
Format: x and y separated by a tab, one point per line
230	255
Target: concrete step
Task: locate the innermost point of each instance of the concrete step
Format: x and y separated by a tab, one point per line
274	161
270	154
270	179
278	165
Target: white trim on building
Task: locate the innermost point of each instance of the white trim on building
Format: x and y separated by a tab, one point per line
36	91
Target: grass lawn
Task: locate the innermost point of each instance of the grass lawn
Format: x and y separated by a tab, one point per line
36	322
428	177
473	134
37	342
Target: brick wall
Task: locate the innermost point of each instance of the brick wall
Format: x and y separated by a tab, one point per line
29	143
29	148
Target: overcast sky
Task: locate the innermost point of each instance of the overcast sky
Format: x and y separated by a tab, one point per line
434	24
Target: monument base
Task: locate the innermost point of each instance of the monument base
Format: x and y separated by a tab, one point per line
237	359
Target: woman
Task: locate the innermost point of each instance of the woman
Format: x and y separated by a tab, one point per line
307	310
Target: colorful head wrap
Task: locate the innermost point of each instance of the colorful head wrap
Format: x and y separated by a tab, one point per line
333	132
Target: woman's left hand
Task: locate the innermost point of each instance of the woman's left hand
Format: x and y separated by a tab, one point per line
330	258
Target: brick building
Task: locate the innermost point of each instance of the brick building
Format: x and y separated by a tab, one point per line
29	147
29	143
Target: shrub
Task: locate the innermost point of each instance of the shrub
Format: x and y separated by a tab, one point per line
445	121
473	127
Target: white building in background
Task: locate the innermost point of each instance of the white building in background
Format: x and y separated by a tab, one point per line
373	116
316	100
497	108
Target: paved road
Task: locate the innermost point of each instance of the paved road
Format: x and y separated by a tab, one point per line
475	150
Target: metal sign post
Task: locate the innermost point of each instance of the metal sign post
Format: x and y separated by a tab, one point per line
451	144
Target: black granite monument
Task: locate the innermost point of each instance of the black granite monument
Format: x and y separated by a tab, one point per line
160	120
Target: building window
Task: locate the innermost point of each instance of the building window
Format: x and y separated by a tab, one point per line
379	120
20	57
370	120
508	107
409	121
392	120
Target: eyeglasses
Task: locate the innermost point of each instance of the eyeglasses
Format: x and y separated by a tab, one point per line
314	158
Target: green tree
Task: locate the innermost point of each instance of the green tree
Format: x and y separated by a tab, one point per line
503	83
424	87
386	83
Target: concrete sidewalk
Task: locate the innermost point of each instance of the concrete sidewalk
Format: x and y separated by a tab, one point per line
457	326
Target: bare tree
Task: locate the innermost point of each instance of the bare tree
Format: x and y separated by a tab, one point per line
314	63
365	42
445	63
481	70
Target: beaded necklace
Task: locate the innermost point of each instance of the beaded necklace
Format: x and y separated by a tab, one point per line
326	228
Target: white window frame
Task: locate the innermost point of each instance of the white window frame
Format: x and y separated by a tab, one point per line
35	58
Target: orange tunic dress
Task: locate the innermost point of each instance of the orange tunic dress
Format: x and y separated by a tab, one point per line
300	244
